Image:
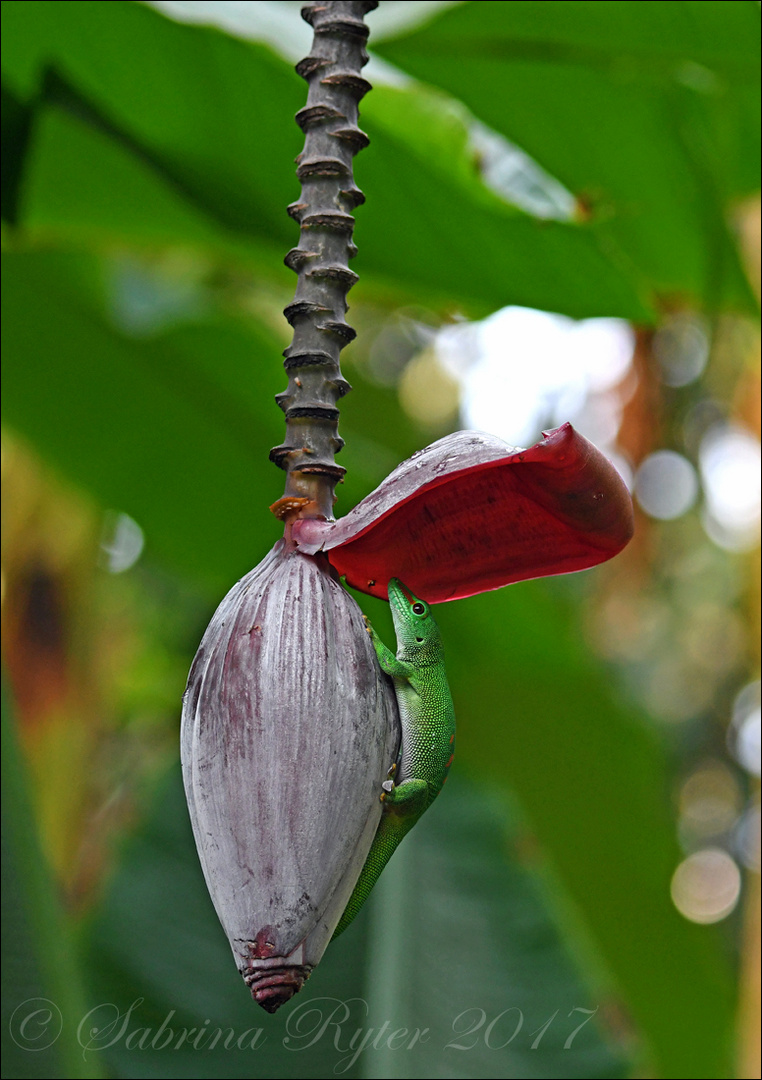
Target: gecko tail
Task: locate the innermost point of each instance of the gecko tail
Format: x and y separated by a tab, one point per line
391	829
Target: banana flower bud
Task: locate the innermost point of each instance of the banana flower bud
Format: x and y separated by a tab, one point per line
289	725
289	729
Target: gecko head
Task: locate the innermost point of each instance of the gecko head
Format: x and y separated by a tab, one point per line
417	633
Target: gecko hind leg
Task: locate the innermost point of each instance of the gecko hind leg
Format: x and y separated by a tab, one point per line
403	805
408	798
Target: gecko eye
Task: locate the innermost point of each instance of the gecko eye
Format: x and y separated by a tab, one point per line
419	609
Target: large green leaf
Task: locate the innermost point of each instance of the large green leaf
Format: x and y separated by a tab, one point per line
537	713
215	114
431	220
644	111
459	925
209	124
172	430
464	946
84	186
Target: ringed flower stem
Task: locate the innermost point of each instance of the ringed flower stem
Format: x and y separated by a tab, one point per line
324	211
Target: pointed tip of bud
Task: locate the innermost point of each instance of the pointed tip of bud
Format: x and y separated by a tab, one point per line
271	998
273	987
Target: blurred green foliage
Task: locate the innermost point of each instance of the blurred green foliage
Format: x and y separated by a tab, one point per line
141	154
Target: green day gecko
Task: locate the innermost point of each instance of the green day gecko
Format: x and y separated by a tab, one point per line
428	733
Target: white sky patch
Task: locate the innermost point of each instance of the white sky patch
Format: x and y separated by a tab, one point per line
523	370
280	25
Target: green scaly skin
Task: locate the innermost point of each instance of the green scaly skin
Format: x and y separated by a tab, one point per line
428	733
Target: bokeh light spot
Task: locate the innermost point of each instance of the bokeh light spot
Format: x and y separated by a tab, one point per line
681	347
745	734
122	543
666	485
730	460
706	886
710	801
